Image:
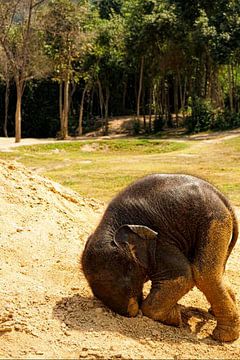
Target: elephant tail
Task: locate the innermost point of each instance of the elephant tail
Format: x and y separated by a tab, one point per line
234	233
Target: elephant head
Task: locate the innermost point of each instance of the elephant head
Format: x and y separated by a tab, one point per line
116	273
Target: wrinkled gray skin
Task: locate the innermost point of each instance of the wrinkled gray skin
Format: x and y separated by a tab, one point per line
176	230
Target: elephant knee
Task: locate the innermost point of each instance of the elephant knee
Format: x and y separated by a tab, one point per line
204	279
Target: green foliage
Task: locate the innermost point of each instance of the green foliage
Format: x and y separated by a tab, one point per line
226	120
202	115
67	36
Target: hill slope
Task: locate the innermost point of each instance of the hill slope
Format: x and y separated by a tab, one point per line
46	307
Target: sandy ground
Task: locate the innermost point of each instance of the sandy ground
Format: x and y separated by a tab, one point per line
46	307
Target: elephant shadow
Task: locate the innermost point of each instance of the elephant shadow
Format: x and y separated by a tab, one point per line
87	314
202	317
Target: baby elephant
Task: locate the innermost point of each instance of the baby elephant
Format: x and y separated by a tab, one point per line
176	230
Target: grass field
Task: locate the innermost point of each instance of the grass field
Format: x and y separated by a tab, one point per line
101	168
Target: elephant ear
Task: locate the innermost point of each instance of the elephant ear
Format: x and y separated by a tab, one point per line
136	239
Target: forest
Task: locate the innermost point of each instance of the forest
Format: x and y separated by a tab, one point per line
67	67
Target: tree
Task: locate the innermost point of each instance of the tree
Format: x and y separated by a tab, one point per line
22	44
88	77
6	75
213	34
149	26
102	68
108	54
67	40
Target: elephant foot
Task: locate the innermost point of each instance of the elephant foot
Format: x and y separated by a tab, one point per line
174	317
224	333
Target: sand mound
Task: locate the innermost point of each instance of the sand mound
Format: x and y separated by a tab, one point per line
46	307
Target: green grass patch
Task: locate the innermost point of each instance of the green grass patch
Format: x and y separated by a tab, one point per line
97	168
100	168
143	146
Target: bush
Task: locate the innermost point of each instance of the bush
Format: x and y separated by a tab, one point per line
136	127
221	121
225	120
158	124
202	115
235	120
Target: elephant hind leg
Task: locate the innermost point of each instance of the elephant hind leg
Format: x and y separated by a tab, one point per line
208	271
231	294
223	308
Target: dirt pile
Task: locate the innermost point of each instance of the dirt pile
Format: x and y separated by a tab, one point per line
42	232
46	307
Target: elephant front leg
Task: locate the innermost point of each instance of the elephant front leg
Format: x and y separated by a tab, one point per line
161	303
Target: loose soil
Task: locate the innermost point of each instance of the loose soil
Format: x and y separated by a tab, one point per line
46	307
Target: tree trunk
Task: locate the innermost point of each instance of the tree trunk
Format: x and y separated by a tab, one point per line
91	103
150	110
168	112
182	91
230	87
72	85
176	105
163	99
18	113
235	92
154	100
104	103
80	121
237	109
101	100
205	76
106	110
124	97
61	104
140	88
143	109
6	107
64	130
